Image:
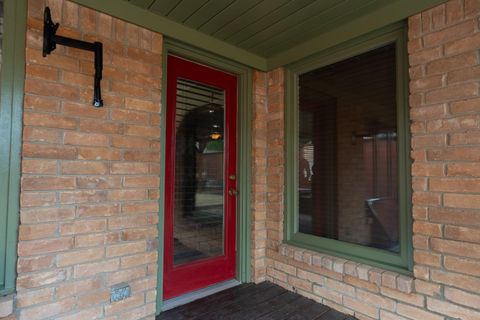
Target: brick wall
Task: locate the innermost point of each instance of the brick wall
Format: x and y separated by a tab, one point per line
259	177
444	107
89	176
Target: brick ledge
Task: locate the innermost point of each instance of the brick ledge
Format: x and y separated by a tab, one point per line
6	306
380	277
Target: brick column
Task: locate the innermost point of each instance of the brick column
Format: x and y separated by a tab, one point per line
90	183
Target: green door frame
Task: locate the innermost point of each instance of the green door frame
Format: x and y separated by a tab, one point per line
11	107
244	125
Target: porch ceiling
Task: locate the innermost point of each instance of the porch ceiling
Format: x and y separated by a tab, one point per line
262	33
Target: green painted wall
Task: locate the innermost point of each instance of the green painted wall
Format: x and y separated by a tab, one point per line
11	105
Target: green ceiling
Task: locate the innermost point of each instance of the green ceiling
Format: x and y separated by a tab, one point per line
262	33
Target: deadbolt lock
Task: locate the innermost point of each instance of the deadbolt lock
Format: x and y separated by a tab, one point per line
232	177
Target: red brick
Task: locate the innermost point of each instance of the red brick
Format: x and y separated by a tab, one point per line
451	309
448	34
44	246
61	62
453	154
464	138
38	231
460	61
99	182
84	167
38	263
458	200
141	181
86	153
131	194
75	288
426	228
462	233
465	106
49	121
130	90
452	124
142	156
142	131
33	134
129	168
139	234
425	56
47	183
427	258
40	166
79	256
455	216
428	112
126	275
126	304
142	105
98	210
130	116
82	226
452	93
130	142
48	310
466	266
361	306
31	150
456	280
455	185
427	169
470	43
126	249
426	83
456	248
40	72
49	89
142	207
94	268
46	214
33	297
85	139
83	196
416	313
100	126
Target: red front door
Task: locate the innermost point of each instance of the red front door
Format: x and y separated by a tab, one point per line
200	196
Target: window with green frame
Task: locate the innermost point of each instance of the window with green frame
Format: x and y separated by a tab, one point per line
12	76
347	168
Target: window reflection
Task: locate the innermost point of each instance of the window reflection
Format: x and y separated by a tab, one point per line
347	157
198	212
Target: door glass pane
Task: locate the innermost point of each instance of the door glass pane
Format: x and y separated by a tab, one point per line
199	172
348	151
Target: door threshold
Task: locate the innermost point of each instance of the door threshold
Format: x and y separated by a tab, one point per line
198	294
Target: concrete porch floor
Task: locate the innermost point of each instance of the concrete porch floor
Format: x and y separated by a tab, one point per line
264	301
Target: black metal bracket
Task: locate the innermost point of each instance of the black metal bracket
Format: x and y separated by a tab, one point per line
50	41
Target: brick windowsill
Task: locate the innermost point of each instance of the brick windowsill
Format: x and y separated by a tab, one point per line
380	277
6	306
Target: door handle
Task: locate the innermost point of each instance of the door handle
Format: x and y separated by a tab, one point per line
232	192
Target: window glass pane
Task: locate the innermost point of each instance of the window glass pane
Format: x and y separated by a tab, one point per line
347	179
199	167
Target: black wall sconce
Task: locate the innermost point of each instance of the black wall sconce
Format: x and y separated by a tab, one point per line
50	41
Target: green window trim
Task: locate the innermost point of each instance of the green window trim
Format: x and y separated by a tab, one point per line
401	262
11	106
